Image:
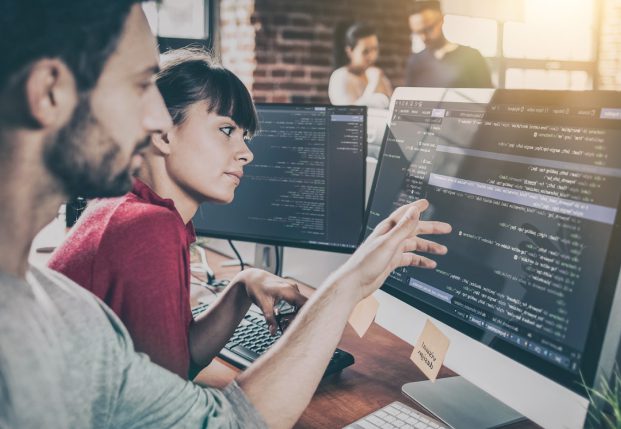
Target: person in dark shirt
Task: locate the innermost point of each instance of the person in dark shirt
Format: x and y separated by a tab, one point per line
442	64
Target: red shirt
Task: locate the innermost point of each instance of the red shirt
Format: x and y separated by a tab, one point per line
133	253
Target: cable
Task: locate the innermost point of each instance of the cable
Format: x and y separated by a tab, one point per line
203	266
239	258
277	267
201	283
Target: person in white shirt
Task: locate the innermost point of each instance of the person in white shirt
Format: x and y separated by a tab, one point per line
357	80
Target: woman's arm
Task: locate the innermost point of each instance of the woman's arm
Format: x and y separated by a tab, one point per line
214	328
384	86
378	90
210	333
345	88
342	89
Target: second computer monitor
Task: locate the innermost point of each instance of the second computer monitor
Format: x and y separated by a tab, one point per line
305	186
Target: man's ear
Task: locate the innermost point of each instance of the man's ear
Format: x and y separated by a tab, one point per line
161	141
51	93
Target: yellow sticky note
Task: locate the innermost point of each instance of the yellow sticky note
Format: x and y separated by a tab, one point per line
363	315
430	350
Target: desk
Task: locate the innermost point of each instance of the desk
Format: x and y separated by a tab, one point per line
373	381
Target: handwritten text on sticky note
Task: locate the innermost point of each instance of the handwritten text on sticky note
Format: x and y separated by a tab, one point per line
430	350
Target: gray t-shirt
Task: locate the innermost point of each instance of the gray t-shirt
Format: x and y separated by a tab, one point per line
66	361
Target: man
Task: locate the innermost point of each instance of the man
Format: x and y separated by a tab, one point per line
442	64
77	102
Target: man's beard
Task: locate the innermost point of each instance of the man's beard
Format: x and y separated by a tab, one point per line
83	157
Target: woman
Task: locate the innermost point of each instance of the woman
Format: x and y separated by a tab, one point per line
357	80
133	251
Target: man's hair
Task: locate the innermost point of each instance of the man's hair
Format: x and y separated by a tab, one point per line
81	33
191	75
423	5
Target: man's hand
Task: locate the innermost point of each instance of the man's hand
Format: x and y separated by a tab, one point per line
266	289
392	245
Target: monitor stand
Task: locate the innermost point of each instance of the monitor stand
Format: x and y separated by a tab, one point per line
461	404
268	258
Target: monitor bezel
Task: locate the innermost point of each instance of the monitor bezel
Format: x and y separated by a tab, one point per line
204	232
596	337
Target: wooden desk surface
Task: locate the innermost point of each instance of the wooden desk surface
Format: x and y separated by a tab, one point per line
382	366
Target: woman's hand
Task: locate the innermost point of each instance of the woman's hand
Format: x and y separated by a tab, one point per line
266	289
374	75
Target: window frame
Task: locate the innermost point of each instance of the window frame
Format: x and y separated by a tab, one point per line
499	64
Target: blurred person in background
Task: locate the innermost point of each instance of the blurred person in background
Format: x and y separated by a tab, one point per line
357	80
442	64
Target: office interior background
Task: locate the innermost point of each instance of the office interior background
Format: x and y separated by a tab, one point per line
282	49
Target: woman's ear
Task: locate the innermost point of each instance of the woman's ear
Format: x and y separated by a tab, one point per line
161	141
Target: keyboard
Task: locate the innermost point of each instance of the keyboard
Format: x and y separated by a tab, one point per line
252	338
396	415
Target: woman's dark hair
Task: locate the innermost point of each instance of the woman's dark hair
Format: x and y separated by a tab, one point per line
348	35
191	75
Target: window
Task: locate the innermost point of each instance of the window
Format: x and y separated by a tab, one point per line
553	47
180	22
547	79
479	33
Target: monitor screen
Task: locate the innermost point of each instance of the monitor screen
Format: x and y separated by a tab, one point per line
531	182
305	186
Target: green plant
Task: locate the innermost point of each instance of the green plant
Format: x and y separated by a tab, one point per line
605	404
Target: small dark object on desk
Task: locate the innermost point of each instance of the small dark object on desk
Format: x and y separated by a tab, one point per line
73	210
284	315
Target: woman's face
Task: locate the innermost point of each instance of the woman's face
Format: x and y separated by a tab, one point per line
365	53
207	155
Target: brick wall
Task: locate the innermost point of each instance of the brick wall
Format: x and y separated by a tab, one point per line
610	46
282	49
237	38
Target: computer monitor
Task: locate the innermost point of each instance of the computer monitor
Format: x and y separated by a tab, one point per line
531	183
306	185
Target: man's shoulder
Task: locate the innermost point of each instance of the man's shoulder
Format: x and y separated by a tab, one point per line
27	353
467	51
61	336
59	287
44	306
423	56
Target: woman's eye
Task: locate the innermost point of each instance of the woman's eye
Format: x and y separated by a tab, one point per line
247	137
227	130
